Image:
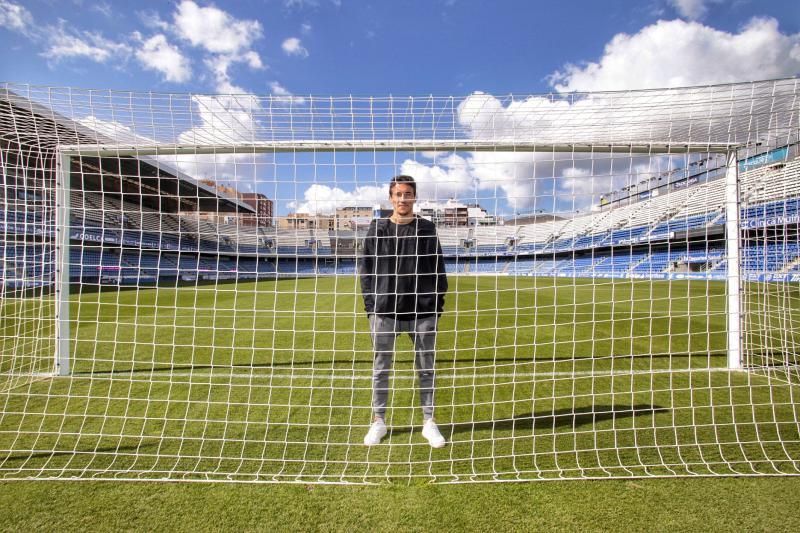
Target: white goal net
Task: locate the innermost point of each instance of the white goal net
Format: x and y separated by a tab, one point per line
183	295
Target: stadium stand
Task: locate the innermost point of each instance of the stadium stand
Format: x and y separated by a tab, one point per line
125	237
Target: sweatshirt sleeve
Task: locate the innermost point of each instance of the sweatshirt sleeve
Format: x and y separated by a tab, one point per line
366	268
441	281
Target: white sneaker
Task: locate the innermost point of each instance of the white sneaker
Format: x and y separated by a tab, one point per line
376	432
431	432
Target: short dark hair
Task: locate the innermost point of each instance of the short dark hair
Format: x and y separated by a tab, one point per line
402	178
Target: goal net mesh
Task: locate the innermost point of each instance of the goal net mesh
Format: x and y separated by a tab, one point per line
181	299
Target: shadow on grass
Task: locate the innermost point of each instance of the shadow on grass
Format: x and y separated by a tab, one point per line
559	418
16	457
327	364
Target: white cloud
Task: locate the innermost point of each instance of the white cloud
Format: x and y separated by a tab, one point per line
305	29
692	9
577	188
15	17
322	199
61	41
593	118
219	65
215	30
283	95
293	47
678	53
450	176
115	130
224	120
300	4
152	19
226	39
104	8
517	178
253	60
156	53
64	43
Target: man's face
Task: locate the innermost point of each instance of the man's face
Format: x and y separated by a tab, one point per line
403	199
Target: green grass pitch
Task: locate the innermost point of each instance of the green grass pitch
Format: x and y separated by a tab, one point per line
537	378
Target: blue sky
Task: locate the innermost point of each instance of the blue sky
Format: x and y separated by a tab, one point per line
346	47
293	48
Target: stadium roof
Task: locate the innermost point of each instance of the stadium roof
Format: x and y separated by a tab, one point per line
30	124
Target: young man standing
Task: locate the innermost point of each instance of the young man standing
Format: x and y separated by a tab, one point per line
403	282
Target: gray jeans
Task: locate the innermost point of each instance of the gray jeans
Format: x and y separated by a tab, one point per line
385	331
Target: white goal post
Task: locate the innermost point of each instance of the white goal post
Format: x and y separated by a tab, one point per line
731	200
182	301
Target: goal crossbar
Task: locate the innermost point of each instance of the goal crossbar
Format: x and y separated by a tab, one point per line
400	145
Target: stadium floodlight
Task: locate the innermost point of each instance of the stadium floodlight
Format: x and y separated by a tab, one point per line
181	296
